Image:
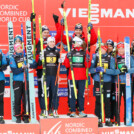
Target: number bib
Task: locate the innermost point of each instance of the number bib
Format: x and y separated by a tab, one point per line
19	61
78	59
120	62
50	59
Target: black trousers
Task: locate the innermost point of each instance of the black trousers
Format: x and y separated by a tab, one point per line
113	100
40	97
20	94
106	95
2	87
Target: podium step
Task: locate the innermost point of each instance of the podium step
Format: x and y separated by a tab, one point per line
67	125
122	129
19	128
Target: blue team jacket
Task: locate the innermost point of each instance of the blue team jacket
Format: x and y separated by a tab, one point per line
107	76
3	66
122	77
18	73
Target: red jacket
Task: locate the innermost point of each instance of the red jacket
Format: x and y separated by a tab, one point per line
79	73
93	38
57	39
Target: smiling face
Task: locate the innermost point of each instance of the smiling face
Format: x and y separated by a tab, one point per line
45	34
51	44
110	48
78	32
121	51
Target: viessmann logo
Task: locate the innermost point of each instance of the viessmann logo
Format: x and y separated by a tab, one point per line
97	13
117	131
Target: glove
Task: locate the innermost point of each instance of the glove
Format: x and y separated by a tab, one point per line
99	69
68	54
123	69
41	56
62	5
60	60
89	26
55	17
32	16
24	66
87	57
27	66
62	22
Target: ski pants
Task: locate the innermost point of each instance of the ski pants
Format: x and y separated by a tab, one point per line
2	86
113	101
19	93
40	96
69	92
80	85
106	95
52	92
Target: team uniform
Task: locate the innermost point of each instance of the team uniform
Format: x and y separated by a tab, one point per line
79	63
122	69
108	64
16	65
39	67
51	56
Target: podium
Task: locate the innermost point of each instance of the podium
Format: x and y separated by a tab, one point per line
19	128
66	125
122	129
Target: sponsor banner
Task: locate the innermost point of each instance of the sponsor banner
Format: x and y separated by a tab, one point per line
67	125
53	33
63	70
35	81
117	130
63	81
63	92
19	128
